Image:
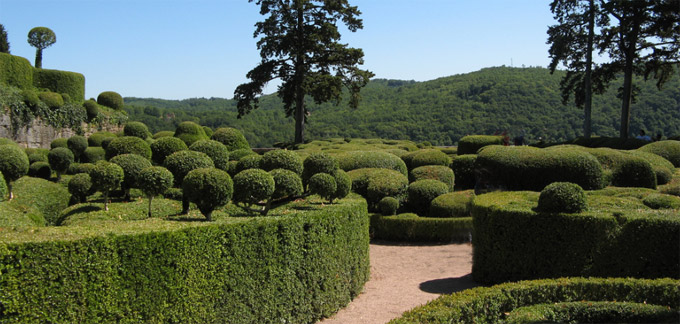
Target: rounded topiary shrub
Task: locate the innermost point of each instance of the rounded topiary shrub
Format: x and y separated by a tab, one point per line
425	157
661	201
128	145
252	186
240	153
59	142
181	162
215	150
153	181
422	192
190	132
30	98
562	197
106	176
463	167
79	187
343	184
282	159
249	162
662	168
472	143
232	138
388	206
40	170
132	165
634	172
77	144
323	185
97	138
452	204
111	99
91	109
93	154
37	157
163	134
353	160
375	184
434	172
76	168
208	131
60	158
670	150
53	100
286	183
208	188
318	163
136	129
164	146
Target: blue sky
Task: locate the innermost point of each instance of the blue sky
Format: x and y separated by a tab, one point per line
177	49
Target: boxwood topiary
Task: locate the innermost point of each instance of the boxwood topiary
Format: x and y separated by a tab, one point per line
208	188
323	185
136	129
71	83
160	134
592	312
181	162
208	131
634	172
252	186
76	168
36	157
286	184
60	158
388	206
96	138
111	99
128	144
470	144
93	154
77	144
463	167
30	98
662	168
452	204
318	163
240	153
670	150
343	184
562	197
662	201
215	150
79	187
164	146
426	157
59	142
282	159
91	109
16	71
190	132
53	100
106	176
248	162
132	165
232	138
434	172
375	184
374	159
422	192
153	181
40	170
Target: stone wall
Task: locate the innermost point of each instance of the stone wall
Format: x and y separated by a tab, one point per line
39	134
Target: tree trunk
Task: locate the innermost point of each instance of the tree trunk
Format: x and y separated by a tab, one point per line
9	188
185	205
627	96
38	58
299	80
150	199
106	201
588	96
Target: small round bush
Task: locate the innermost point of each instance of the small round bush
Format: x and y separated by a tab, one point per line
13	162
208	131
59	142
215	150
252	186
375	183
164	146
106	176
343	182
232	138
91	109
661	201
463	167
670	150
136	129
562	197
155	180
208	188
318	163
388	206
30	98
634	172
239	154
286	183
93	154
76	168
60	158
77	144
249	162
324	185
282	159
190	132
40	170
128	144
110	99
132	165
53	100
163	134
37	157
452	204
422	192
79	186
181	162
434	172
97	138
426	157
472	143
375	159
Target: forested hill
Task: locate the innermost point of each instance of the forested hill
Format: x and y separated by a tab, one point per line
439	111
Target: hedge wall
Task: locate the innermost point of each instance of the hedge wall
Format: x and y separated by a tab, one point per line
289	269
493	304
16	71
413	228
57	81
470	144
618	236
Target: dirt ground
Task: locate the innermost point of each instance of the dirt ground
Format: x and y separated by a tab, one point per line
404	276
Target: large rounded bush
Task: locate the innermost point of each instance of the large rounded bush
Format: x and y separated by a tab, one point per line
136	129
93	154
252	186
323	185
425	157
375	159
13	162
111	99
181	162
249	162
97	138
669	150
215	150
190	132
343	184
463	167
318	163
562	197
77	144
422	192
470	144
634	172
388	206
434	172
79	186
164	146
375	184
53	100
282	159
40	170
60	158
128	144
662	168
132	165
452	204
232	138
76	168
59	142
286	183
208	188
91	109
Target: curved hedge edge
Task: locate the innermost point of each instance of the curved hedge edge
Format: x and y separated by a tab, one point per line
421	229
289	269
490	304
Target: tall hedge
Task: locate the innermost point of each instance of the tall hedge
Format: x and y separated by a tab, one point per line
16	71
71	83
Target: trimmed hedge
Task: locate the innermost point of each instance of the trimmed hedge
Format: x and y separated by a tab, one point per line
208	188
40	169
562	197
232	138
318	163
463	167
136	129
422	192
434	172
217	152
128	144
111	99
593	312
164	146
493	304
97	138
294	268
190	132
413	228
670	150
452	204
376	184
282	159
425	157
181	162
472	143
16	71
362	159
93	154
71	83
53	100
77	144
634	172
618	236
662	168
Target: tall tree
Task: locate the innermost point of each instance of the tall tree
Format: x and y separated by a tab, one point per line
4	44
642	38
41	38
300	45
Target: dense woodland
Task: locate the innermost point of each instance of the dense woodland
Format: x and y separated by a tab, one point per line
440	111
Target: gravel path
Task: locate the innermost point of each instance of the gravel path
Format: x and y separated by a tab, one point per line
404	276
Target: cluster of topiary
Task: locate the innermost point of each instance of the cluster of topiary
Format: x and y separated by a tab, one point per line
353	160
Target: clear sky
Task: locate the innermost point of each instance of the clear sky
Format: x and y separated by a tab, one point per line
178	49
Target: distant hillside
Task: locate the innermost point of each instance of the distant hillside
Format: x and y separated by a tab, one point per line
440	111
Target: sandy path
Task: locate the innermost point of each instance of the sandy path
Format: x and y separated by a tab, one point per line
404	276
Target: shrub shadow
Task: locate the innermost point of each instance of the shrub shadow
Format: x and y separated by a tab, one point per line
82	209
448	285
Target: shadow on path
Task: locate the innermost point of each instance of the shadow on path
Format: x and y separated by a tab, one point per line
448	285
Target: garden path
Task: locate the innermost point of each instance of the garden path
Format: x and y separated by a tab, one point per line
404	276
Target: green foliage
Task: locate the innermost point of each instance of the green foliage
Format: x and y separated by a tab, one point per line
110	99
434	172
413	228
375	184
662	168
91	109
190	132
670	150
77	144
132	165
41	38
41	199
93	154
16	71
4	44
164	146
463	167
343	184
425	157
40	169
208	131
323	185
353	160
53	100
452	204
661	201
76	168
215	150
282	159
36	154
3	188
634	172
97	138
155	180
30	98
181	162
106	176
318	163
286	184
593	312
160	134
240	153
470	144
422	192
252	186
610	142
388	206
79	186
13	162
562	197
252	161
69	83
136	129
128	145
208	188
232	138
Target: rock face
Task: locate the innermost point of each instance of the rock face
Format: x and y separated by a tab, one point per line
39	134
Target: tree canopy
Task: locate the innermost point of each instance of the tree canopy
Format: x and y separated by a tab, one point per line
41	38
4	44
